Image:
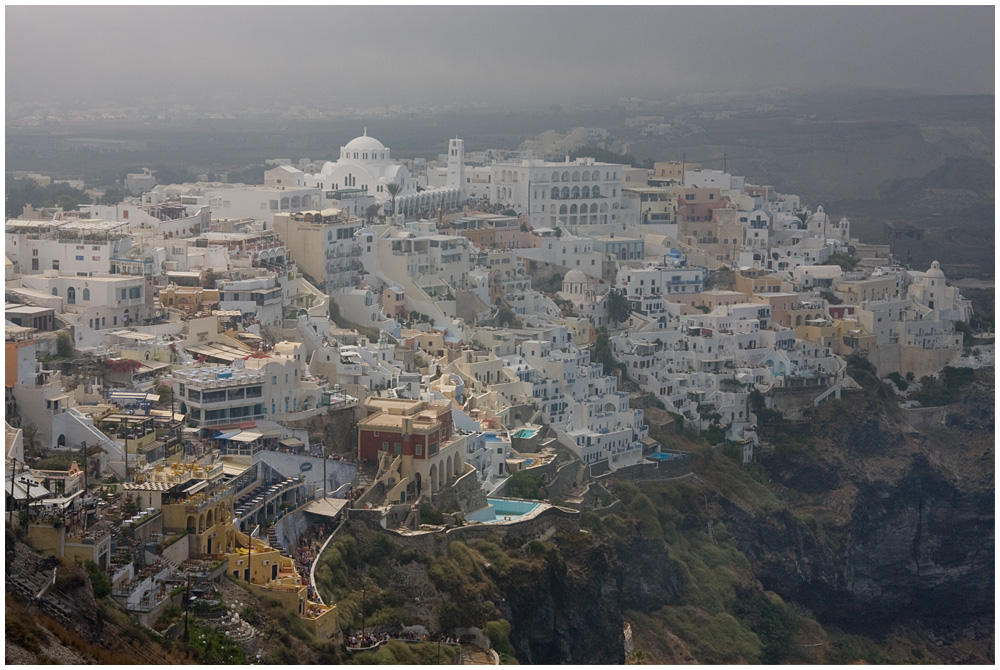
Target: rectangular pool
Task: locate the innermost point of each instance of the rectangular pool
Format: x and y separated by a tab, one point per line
659	456
498	509
525	433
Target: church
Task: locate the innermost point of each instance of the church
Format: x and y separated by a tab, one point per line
366	167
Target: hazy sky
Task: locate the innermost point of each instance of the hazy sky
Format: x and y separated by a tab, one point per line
441	55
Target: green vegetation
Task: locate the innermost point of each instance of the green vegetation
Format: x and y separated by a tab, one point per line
212	646
524	484
430	515
499	634
395	652
898	380
618	308
99	578
64	344
506	317
603	355
21	192
935	393
843	260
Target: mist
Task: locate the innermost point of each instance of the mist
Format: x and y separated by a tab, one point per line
350	56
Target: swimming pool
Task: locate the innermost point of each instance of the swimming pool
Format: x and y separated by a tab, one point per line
659	456
525	433
499	509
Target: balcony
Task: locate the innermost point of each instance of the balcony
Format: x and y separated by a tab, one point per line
229	420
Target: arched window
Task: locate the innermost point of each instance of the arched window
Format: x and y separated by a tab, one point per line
71	295
562	209
86	294
565	175
575	193
585	192
572	208
555	192
565	193
555	176
593	208
576	175
596	192
55	291
552	209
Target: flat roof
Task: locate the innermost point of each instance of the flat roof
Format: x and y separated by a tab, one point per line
331	507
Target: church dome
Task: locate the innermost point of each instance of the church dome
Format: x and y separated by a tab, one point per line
575	277
365	143
935	272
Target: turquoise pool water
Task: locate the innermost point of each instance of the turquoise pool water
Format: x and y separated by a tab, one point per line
660	456
526	433
502	510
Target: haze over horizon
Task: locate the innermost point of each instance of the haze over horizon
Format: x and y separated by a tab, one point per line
350	56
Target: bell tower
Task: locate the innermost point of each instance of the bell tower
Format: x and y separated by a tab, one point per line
456	166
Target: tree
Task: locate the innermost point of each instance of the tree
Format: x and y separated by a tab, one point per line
371	212
508	212
506	317
392	188
113	196
64	344
618	307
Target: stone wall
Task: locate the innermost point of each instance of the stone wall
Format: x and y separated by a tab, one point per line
922	418
651	471
791	402
889	358
465	494
290	528
337	429
514	533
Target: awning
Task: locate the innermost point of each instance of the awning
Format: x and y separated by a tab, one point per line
330	507
291	442
226	436
245	436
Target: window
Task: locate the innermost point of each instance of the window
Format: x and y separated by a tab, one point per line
134	292
55	265
124	294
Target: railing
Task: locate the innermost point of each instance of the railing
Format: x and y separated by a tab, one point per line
234	419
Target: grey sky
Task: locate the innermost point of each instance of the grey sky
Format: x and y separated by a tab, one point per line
441	55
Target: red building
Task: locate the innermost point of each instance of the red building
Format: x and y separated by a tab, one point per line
413	428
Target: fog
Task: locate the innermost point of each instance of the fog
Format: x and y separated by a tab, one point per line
512	55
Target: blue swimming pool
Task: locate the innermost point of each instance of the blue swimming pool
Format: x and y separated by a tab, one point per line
525	433
659	456
498	509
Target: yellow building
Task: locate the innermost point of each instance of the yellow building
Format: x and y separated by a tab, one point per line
188	299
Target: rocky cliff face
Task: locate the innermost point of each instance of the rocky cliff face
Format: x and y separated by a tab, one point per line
573	613
882	524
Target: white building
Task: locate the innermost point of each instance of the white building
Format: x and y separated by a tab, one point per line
365	164
582	192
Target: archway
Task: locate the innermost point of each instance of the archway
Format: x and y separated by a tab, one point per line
434	478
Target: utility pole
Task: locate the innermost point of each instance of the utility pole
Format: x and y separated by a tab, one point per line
10	509
187	606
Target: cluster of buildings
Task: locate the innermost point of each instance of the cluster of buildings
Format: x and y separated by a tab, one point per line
184	341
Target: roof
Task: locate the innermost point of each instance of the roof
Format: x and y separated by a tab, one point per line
365	143
330	507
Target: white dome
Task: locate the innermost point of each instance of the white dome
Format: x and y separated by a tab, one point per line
575	277
365	143
935	272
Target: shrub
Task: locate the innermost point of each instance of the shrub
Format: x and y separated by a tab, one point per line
499	634
99	578
524	484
